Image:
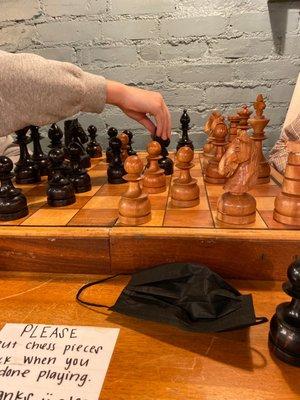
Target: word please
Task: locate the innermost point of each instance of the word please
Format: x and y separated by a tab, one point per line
48	332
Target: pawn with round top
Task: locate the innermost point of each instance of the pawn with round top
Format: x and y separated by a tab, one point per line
112	133
134	206
93	148
154	180
185	190
284	335
13	204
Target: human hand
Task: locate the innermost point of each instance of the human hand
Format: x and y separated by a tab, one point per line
138	104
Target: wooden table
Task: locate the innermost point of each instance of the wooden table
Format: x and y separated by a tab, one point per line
153	361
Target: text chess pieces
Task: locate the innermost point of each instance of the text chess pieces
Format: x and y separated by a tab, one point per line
287	203
134	206
234	121
240	165
131	152
78	175
284	336
26	170
124	146
61	191
165	162
258	124
185	127
185	190
13	204
93	148
212	174
38	155
112	132
154	180
115	170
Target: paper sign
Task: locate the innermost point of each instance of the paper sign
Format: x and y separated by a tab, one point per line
46	362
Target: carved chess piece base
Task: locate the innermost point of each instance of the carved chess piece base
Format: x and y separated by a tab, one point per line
61	202
236	209
287	209
138	210
185	195
212	175
155	182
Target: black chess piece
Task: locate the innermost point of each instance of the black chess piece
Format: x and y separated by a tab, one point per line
38	156
93	148
55	134
60	191
75	132
185	127
165	162
26	170
116	171
78	177
112	132
284	336
13	204
130	150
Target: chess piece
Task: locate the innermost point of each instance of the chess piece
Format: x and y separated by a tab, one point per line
244	115
185	190
154	180
13	204
60	191
212	174
38	155
115	170
124	147
93	148
240	165
234	121
26	170
112	132
284	335
134	206
165	162
287	203
258	123
78	176
185	127
209	149
130	150
75	132
55	135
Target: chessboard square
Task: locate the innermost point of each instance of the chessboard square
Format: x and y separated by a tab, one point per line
112	190
87	217
158	202
38	190
16	222
272	224
265	203
105	202
188	218
50	217
214	190
99	180
79	203
157	218
213	201
36	201
258	224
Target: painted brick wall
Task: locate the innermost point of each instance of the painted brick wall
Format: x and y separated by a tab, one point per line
201	54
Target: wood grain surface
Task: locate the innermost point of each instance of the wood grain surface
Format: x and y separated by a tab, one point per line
159	362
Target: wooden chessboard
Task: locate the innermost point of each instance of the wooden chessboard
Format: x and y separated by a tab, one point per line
86	237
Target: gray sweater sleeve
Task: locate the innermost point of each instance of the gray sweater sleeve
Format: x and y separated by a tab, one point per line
36	91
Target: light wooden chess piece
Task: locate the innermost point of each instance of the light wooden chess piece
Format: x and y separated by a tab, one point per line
124	148
258	124
134	206
287	203
154	180
244	115
240	165
234	121
209	148
185	190
220	131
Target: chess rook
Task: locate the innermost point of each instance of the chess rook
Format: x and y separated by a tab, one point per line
112	132
185	190
134	206
287	203
13	204
185	127
284	335
154	180
93	148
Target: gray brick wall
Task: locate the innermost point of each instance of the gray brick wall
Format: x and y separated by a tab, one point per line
201	54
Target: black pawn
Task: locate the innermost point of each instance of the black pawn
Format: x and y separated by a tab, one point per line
185	127
75	132
26	170
13	204
130	150
38	156
116	171
55	134
112	132
60	191
78	177
165	162
284	336
93	148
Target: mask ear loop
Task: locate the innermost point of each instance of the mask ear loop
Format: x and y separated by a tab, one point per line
260	320
90	284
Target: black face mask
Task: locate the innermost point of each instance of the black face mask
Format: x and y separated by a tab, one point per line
189	296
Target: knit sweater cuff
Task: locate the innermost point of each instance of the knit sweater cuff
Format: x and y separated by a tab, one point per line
94	98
